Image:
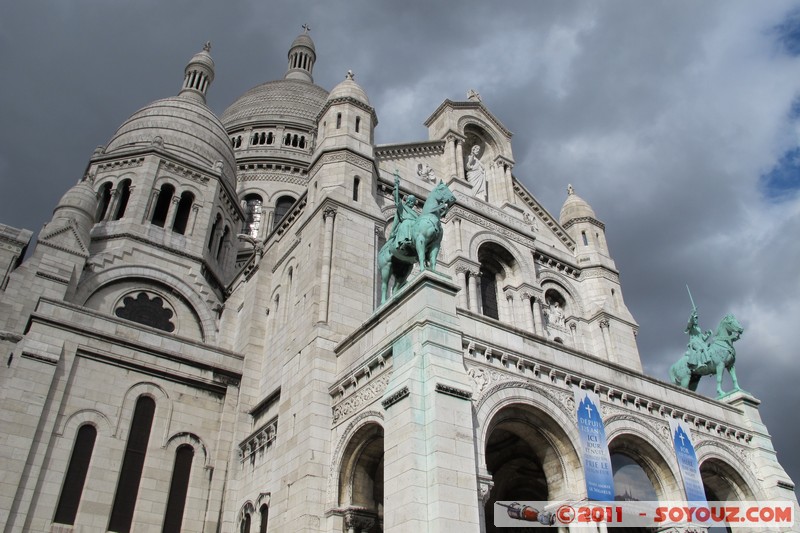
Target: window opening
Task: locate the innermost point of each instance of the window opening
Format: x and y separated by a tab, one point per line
585	240
358	124
252	212
182	214
105	200
213	231
264	512
245	528
222	241
338	120
356	183
282	207
178	488
75	479
124	196
159	217
132	465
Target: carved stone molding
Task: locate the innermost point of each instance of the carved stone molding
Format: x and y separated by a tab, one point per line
485	485
453	391
361	398
259	441
396	397
478	220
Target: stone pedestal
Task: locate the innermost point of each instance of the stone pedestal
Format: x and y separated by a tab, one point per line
429	441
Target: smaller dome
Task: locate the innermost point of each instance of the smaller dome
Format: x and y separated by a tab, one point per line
575	207
349	88
303	40
203	57
81	199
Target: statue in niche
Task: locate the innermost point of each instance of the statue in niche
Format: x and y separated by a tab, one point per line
415	237
425	172
708	353
555	314
476	173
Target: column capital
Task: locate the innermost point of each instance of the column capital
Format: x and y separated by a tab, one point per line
605	323
329	212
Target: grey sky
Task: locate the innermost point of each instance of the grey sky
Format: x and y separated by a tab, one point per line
663	115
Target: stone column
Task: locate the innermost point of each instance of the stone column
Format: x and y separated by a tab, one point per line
460	159
473	291
325	279
508	184
450	154
605	326
112	204
148	214
173	210
538	324
193	221
511	315
459	242
502	309
461	275
527	309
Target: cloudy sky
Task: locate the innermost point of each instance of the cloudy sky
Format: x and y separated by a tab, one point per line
677	121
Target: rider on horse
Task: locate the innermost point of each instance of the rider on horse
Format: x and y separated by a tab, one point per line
697	351
405	211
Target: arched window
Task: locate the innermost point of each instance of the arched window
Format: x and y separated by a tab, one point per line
182	214
213	232
270	138
287	140
222	241
356	184
585	239
294	140
495	262
105	200
124	195
282	207
338	120
132	464
358	124
245	527
252	214
302	142
76	475
178	488
264	514
159	217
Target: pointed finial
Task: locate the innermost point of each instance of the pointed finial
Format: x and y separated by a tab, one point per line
349	75
570	190
207	46
473	95
306	28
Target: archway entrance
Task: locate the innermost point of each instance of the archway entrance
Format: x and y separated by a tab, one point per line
361	481
527	453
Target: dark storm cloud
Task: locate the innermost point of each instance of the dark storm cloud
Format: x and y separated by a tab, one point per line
666	116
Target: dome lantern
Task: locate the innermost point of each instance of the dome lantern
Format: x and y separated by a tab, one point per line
199	74
302	55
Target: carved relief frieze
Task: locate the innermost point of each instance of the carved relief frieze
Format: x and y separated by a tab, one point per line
404	151
361	398
342	156
281	178
120	164
183	171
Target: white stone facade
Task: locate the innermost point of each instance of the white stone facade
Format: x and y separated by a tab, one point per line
225	271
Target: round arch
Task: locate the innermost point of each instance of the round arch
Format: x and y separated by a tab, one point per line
641	443
205	317
726	481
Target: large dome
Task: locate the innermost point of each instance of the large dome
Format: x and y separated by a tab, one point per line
186	127
285	101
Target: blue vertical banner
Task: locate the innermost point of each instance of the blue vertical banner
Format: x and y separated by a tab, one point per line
687	462
594	447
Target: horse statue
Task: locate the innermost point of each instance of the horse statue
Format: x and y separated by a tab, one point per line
718	355
415	237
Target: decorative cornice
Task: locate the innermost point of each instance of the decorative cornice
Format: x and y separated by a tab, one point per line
480	359
120	164
543	214
408	150
591	220
453	391
544	259
259	441
338	156
278	178
395	397
352	101
468	106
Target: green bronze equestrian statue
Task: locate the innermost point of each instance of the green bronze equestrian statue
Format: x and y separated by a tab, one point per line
708	353
414	238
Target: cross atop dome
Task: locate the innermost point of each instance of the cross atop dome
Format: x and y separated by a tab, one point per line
302	55
306	28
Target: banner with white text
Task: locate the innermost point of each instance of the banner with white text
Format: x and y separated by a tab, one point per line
594	447
687	461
